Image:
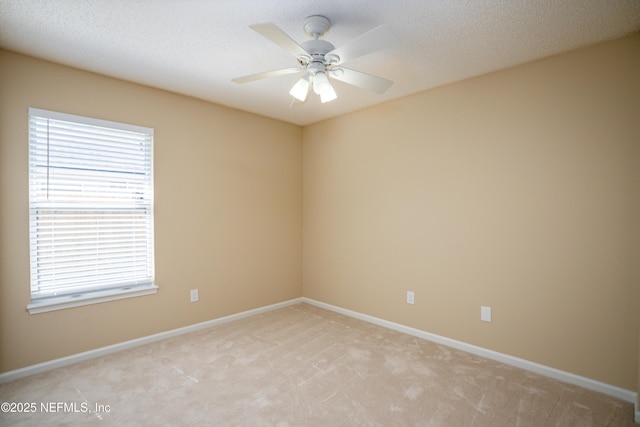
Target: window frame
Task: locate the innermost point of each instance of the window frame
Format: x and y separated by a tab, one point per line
90	296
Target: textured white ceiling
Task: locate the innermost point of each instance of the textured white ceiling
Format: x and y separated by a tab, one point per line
196	47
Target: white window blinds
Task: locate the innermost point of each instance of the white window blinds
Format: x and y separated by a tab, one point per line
90	205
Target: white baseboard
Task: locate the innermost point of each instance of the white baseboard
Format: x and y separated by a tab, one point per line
103	351
610	390
567	377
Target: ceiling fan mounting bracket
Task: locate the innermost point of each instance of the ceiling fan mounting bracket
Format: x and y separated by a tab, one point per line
316	26
304	60
331	59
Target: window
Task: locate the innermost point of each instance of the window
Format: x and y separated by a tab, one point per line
90	210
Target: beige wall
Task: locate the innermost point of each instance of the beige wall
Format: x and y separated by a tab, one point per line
515	190
518	190
228	211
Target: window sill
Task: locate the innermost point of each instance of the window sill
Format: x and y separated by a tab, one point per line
60	303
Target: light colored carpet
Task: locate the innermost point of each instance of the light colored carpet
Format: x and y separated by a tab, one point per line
304	366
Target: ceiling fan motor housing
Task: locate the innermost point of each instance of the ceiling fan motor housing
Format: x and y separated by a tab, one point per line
317	50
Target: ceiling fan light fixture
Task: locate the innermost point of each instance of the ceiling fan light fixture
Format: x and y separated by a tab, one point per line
301	89
322	87
328	95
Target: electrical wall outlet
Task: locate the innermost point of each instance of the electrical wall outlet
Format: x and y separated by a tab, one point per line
410	297
485	314
194	295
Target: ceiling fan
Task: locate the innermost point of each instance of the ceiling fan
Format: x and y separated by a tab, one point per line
319	59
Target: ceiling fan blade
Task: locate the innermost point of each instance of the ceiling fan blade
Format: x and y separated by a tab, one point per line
274	73
361	80
279	37
377	39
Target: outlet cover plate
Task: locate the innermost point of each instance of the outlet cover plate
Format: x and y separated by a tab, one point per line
410	297
485	314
